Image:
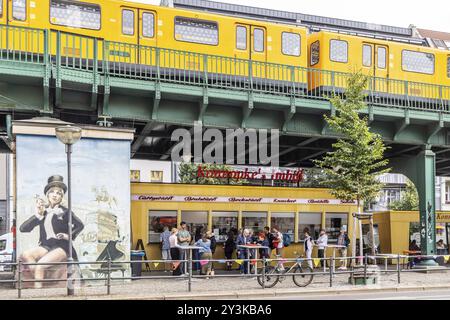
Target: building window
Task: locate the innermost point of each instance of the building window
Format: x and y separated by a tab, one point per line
156	176
258	39
414	232
334	223
223	223
440	44
447	192
291	44
148	25
157	221
419	62
339	51
1	8
285	222
128	22
367	55
255	221
19	10
135	176
197	222
315	53
381	53
310	221
241	38
77	15
196	31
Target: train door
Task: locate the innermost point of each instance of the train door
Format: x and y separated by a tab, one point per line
147	36
376	64
3	14
17	12
125	50
251	44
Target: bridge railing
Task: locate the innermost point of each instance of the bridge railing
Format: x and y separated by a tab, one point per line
74	52
20	44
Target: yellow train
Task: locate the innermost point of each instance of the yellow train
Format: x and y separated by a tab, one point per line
273	53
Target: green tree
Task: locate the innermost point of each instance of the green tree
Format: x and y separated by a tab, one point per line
357	158
409	200
313	178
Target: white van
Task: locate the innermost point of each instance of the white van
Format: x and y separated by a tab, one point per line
6	250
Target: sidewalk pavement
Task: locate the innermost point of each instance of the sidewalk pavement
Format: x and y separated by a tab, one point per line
233	288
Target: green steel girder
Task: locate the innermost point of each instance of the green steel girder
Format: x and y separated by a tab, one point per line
422	172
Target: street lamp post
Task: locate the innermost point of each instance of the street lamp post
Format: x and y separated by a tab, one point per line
69	135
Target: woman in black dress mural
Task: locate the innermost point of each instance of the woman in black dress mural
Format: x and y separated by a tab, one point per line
52	219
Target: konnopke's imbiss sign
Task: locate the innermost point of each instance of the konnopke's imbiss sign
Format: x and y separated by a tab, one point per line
168	198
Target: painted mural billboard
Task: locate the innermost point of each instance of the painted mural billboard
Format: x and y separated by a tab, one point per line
100	207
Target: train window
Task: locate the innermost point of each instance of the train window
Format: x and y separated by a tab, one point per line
196	31
448	67
291	43
339	51
315	53
128	22
241	38
419	62
367	55
148	25
258	40
76	15
381	53
19	10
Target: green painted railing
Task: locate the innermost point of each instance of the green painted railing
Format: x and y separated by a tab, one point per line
66	51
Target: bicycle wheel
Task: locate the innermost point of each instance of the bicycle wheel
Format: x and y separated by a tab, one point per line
271	277
303	276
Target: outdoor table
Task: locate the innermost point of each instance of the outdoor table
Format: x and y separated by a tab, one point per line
334	247
386	257
252	247
189	249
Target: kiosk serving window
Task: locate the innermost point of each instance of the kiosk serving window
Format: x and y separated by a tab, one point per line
157	220
223	223
334	223
285	221
255	221
312	221
195	220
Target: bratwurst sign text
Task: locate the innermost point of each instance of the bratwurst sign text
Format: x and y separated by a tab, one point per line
158	198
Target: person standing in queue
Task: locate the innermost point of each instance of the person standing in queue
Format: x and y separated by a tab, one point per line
184	239
322	243
175	252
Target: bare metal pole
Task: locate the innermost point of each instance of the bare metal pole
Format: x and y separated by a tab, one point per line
70	286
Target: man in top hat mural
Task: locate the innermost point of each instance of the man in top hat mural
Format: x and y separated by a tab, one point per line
52	219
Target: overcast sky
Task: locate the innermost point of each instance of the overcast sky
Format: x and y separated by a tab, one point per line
430	14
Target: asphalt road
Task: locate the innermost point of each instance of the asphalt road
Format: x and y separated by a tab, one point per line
404	295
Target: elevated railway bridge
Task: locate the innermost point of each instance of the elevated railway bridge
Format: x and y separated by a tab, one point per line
88	81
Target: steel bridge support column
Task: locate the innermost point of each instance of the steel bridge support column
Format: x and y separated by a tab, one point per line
421	170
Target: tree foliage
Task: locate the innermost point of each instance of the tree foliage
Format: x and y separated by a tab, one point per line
409	200
357	160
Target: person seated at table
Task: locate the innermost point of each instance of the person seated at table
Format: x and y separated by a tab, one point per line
441	248
263	241
414	250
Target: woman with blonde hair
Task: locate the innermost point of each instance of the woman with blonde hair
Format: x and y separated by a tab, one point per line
174	252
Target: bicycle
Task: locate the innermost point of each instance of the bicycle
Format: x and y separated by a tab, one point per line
303	274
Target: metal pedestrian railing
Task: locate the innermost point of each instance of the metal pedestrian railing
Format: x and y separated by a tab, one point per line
97	57
358	267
